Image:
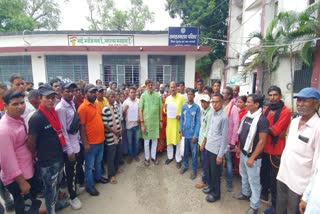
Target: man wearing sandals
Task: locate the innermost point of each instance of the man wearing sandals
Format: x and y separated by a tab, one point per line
150	114
279	117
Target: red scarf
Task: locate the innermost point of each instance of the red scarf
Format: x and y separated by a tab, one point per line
55	123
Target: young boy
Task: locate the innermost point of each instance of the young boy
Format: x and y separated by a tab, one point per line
189	128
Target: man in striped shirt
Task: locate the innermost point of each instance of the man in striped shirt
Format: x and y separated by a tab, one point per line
113	132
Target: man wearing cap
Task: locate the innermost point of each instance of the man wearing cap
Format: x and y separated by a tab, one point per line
205	122
92	137
70	125
300	154
101	99
46	142
174	103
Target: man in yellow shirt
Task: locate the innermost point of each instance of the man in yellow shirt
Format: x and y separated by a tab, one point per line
173	107
101	100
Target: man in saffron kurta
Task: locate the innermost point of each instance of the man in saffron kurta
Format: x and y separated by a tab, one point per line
173	107
150	115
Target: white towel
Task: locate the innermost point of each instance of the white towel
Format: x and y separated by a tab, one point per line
253	129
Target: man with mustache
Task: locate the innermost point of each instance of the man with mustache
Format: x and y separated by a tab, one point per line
301	153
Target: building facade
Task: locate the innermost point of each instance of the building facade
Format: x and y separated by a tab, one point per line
122	57
247	16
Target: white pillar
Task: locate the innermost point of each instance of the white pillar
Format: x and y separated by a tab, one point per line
144	68
94	67
190	67
38	69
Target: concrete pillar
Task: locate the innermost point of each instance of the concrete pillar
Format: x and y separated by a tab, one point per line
39	72
94	67
144	68
190	67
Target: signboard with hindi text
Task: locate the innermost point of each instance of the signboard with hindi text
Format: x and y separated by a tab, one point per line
183	36
97	40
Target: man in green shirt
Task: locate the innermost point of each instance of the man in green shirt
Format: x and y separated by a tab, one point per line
150	114
205	122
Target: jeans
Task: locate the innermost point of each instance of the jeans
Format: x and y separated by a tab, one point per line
229	173
111	153
204	165
51	177
250	180
93	160
133	141
189	146
118	155
19	200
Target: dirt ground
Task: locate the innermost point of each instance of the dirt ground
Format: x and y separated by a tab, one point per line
155	190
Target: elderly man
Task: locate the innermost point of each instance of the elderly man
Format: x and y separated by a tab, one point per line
173	107
300	154
150	114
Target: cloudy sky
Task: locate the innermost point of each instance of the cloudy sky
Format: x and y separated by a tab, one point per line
74	11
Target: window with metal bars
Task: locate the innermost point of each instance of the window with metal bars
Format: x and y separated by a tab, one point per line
302	75
15	65
73	67
124	69
165	69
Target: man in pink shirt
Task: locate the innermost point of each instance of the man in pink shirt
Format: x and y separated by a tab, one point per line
15	159
233	115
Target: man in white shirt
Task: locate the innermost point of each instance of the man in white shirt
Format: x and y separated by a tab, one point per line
302	150
130	113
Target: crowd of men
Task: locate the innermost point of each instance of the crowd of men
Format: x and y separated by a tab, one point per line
70	134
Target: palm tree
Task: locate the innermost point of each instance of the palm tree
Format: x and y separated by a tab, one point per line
289	32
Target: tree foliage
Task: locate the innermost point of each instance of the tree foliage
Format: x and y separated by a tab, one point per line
211	16
19	15
104	16
289	31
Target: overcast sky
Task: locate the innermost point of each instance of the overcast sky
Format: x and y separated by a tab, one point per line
74	11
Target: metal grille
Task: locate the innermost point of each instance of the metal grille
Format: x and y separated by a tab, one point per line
302	76
166	68
73	67
121	69
15	65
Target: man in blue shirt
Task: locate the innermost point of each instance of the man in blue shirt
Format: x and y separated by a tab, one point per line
189	128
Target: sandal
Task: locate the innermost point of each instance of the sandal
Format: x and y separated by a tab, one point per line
113	180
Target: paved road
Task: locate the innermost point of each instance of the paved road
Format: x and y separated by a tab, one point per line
157	190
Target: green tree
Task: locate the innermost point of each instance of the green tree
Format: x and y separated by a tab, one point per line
211	17
13	18
290	32
19	15
104	16
45	13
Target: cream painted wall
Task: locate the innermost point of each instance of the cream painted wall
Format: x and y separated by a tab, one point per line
62	40
190	67
94	67
144	68
38	69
